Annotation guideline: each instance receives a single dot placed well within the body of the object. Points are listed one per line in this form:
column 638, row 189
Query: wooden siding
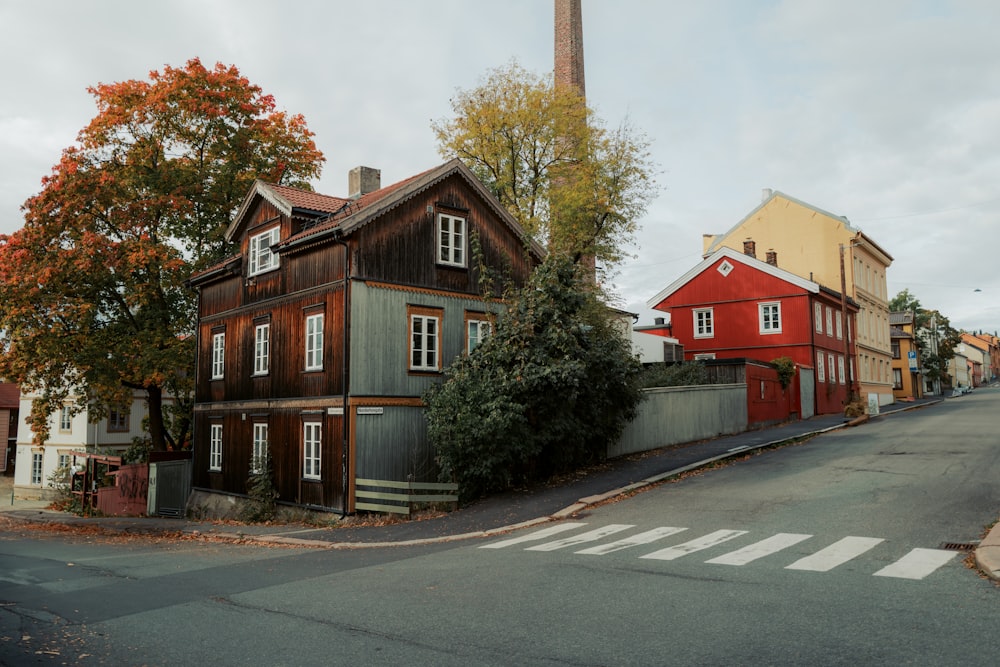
column 404, row 252
column 393, row 446
column 285, row 433
column 380, row 363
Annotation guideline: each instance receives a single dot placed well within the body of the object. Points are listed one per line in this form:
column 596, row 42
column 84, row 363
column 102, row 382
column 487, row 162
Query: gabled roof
column 717, row 241
column 358, row 213
column 342, row 216
column 740, row 258
column 900, row 317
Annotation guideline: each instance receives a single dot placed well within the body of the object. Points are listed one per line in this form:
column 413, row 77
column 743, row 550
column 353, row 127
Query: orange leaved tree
column 92, row 296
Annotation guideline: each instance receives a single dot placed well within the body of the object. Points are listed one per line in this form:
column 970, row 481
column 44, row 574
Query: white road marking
column 710, row 540
column 766, row 547
column 634, row 541
column 536, row 535
column 589, row 536
column 917, row 564
column 836, row 554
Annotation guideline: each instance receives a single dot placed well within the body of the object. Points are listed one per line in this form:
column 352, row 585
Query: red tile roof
column 312, row 201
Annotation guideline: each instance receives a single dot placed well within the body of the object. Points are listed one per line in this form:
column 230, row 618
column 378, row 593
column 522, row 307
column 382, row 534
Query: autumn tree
column 572, row 183
column 92, row 289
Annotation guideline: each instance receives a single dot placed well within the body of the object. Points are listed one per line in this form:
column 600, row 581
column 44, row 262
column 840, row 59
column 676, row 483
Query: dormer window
column 261, row 257
column 451, row 240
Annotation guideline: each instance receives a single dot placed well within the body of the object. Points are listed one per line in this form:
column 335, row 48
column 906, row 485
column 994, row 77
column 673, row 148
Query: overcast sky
column 883, row 111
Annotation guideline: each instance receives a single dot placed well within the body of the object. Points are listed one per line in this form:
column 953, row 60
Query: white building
column 36, row 464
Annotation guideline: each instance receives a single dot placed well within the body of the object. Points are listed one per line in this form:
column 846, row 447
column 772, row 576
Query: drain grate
column 959, row 546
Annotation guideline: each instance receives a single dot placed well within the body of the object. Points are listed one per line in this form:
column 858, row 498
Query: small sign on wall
column 335, row 411
column 370, row 410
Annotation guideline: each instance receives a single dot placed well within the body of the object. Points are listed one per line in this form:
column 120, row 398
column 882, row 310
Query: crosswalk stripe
column 917, row 564
column 589, row 536
column 634, row 541
column 836, row 554
column 536, row 535
column 766, row 547
column 710, row 540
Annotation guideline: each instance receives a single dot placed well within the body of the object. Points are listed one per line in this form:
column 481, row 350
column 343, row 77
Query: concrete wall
column 672, row 415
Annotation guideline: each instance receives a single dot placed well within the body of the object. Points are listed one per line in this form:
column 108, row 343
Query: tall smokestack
column 569, row 45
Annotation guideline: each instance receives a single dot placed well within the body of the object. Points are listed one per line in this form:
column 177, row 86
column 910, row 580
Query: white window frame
column 703, row 320
column 840, row 326
column 818, row 316
column 36, row 468
column 702, row 356
column 829, row 321
column 118, row 420
column 769, row 317
column 840, row 368
column 314, row 341
column 820, row 367
column 262, row 349
column 451, row 240
column 218, row 355
column 66, row 419
column 259, row 450
column 482, row 328
column 215, row 447
column 425, row 342
column 832, row 367
column 312, row 442
column 261, row 259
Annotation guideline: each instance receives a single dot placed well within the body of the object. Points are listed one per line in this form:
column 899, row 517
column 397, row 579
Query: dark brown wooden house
column 317, row 340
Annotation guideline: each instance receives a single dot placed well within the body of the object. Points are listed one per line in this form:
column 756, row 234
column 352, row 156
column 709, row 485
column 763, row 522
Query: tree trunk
column 154, row 403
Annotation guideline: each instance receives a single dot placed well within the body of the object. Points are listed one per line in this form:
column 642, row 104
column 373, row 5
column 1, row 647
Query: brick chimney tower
column 569, row 45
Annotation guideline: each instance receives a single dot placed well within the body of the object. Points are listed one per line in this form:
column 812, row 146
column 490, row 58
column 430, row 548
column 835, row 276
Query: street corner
column 988, row 554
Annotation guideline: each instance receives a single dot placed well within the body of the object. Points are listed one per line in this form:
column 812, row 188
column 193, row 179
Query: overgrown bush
column 545, row 393
column 786, row 370
column 680, row 374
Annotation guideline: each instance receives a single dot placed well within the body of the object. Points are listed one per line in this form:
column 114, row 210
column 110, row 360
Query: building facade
column 317, row 341
column 825, row 248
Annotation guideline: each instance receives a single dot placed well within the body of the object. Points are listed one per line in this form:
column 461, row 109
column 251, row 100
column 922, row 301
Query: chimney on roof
column 750, row 248
column 362, row 180
column 772, row 257
column 765, row 194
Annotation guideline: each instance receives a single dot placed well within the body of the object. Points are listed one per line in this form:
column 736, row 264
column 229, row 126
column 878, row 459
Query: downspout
column 345, row 364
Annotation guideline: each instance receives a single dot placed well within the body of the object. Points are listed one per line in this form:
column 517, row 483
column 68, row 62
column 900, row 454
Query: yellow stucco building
column 815, row 244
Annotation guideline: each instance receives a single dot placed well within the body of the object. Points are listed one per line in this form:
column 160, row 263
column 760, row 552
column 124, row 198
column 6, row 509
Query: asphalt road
column 839, row 551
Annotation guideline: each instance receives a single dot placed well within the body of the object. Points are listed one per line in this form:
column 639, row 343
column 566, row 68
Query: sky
column 886, row 112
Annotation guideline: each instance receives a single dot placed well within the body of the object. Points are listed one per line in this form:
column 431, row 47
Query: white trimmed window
column 424, row 340
column 314, row 342
column 831, row 367
column 259, row 448
column 261, row 258
column 770, row 317
column 262, row 349
column 451, row 240
column 36, row 467
column 820, row 368
column 704, row 325
column 215, row 447
column 840, row 326
column 476, row 333
column 218, row 355
column 829, row 321
column 311, row 440
column 66, row 419
column 840, row 369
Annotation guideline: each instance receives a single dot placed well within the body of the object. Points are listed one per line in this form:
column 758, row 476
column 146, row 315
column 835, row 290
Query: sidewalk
column 499, row 513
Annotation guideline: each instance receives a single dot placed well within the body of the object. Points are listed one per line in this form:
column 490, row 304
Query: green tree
column 92, row 288
column 934, row 326
column 545, row 393
column 565, row 177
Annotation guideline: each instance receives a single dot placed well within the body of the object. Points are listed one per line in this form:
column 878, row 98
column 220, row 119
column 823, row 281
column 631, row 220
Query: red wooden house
column 317, row 341
column 732, row 305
